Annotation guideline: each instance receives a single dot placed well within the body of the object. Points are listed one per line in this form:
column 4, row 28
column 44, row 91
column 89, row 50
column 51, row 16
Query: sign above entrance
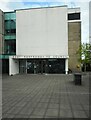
column 35, row 56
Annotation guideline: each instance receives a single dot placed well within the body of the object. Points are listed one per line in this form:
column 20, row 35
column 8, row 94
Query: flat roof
column 10, row 12
column 75, row 8
column 69, row 9
column 41, row 7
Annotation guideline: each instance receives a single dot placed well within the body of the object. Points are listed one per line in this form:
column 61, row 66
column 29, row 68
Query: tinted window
column 10, row 26
column 74, row 16
column 9, row 16
column 10, row 47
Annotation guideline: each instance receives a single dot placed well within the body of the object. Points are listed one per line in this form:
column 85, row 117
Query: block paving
column 44, row 96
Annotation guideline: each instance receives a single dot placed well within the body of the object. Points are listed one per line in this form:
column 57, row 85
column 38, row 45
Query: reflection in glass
column 10, row 27
column 10, row 15
column 10, row 47
column 56, row 65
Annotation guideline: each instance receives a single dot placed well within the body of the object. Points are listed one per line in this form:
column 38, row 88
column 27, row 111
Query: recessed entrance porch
column 34, row 65
column 40, row 66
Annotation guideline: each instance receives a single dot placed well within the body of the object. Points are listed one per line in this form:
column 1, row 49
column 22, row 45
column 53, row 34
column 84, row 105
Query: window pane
column 7, row 24
column 10, row 47
column 56, row 65
column 10, row 15
column 74, row 16
column 9, row 37
column 13, row 24
column 10, row 26
column 7, row 16
column 13, row 16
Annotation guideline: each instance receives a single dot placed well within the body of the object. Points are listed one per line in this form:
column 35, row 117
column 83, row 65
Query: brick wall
column 74, row 41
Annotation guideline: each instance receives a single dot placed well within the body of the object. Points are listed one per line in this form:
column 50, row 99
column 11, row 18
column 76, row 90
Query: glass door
column 38, row 66
column 45, row 66
column 30, row 66
column 41, row 66
column 22, row 66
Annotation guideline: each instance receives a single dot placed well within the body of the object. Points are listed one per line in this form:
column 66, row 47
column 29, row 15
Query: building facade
column 43, row 50
column 40, row 40
column 1, row 32
column 8, row 39
column 74, row 38
column 1, row 38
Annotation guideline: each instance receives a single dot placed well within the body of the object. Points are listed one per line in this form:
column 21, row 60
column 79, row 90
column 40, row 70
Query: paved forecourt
column 44, row 96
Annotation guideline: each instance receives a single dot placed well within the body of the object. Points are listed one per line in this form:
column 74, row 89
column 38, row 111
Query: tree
column 85, row 54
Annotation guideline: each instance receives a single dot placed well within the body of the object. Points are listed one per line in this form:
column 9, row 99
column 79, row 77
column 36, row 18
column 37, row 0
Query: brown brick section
column 74, row 41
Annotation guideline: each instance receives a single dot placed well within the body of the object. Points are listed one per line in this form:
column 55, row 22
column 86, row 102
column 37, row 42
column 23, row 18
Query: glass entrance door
column 30, row 66
column 22, row 66
column 38, row 66
column 45, row 66
column 41, row 66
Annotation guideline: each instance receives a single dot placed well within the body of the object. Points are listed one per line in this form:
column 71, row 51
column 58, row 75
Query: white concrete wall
column 42, row 31
column 74, row 10
column 13, row 66
column 66, row 66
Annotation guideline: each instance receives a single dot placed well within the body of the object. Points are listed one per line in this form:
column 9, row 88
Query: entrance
column 5, row 66
column 36, row 66
column 30, row 66
column 22, row 66
column 42, row 66
column 56, row 66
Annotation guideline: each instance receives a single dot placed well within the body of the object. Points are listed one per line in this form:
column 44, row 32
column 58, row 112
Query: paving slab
column 44, row 96
column 64, row 113
column 52, row 113
column 53, row 105
column 39, row 111
column 79, row 114
column 42, row 105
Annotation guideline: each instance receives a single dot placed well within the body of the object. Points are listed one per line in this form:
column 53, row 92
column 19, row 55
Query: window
column 10, row 27
column 10, row 15
column 10, row 47
column 74, row 16
column 56, row 65
column 10, row 23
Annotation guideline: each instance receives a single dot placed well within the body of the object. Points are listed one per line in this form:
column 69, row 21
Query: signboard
column 55, row 56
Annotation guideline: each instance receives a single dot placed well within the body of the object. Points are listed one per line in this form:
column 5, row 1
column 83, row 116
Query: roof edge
column 41, row 7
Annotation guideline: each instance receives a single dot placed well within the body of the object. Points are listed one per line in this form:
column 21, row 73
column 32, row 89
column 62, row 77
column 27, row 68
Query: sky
column 10, row 5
